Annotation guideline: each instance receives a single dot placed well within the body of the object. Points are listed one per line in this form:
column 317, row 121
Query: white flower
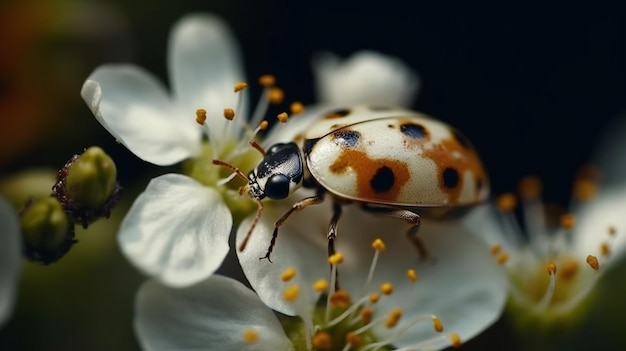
column 10, row 258
column 366, row 77
column 462, row 288
column 178, row 228
column 437, row 304
column 555, row 261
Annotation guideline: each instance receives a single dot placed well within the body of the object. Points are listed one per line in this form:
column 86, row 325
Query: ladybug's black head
column 278, row 174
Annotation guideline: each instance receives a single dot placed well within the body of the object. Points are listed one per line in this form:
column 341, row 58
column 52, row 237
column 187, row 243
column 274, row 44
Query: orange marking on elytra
column 365, row 169
column 449, row 153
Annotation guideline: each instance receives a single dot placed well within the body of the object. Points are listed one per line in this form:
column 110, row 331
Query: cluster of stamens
column 544, row 241
column 271, row 95
column 337, row 322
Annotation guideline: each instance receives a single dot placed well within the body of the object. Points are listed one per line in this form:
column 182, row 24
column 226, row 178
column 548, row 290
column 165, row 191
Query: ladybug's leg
column 332, row 228
column 411, row 217
column 298, row 206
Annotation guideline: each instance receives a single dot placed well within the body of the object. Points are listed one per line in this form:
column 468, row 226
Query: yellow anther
column 229, row 114
column 296, row 107
column 283, row 117
column 322, row 341
column 320, row 285
column 340, row 298
column 502, row 258
column 585, row 189
column 496, row 249
column 386, row 288
column 336, row 258
column 288, row 274
column 530, row 187
column 437, row 325
column 551, row 268
column 200, row 116
column 250, row 336
column 353, row 339
column 263, row 125
column 291, row 293
column 366, row 315
column 374, row 298
column 275, row 95
column 240, row 86
column 605, row 249
column 267, row 80
column 592, row 261
column 412, row 275
column 567, row 221
column 506, row 202
column 568, row 269
column 378, row 245
column 455, row 339
column 393, row 318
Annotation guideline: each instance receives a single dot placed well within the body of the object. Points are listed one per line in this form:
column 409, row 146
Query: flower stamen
column 282, row 117
column 250, row 336
column 296, row 107
column 200, row 116
column 547, row 296
column 592, row 261
column 288, row 274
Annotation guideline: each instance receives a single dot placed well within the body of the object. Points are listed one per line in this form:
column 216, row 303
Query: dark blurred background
column 533, row 86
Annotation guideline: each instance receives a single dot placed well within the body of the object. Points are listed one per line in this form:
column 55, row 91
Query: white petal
column 594, row 220
column 135, row 108
column 212, row 315
column 301, row 244
column 367, row 77
column 177, row 230
column 204, row 65
column 464, row 286
column 10, row 254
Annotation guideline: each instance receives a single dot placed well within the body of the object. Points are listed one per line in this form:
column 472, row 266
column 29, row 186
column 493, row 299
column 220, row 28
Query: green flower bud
column 47, row 232
column 87, row 186
column 91, row 179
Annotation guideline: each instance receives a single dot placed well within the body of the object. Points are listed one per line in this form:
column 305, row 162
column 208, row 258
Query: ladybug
column 392, row 162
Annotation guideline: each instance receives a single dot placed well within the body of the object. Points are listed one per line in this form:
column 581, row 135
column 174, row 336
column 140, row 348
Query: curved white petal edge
column 212, row 315
column 366, row 77
column 136, row 109
column 176, row 231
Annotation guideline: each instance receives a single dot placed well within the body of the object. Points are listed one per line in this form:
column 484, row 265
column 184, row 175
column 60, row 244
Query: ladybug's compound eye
column 277, row 187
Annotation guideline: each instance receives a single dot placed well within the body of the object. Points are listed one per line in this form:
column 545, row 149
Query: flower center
column 548, row 277
column 338, row 321
column 232, row 141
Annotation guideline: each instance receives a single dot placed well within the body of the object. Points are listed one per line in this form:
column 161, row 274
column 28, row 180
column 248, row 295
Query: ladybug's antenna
column 233, row 168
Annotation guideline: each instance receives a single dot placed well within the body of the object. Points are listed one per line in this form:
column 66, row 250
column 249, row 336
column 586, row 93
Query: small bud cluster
column 86, row 190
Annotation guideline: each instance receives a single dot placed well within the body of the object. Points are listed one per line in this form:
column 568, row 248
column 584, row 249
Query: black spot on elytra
column 412, row 130
column 450, row 178
column 383, row 180
column 462, row 139
column 346, row 138
column 342, row 112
